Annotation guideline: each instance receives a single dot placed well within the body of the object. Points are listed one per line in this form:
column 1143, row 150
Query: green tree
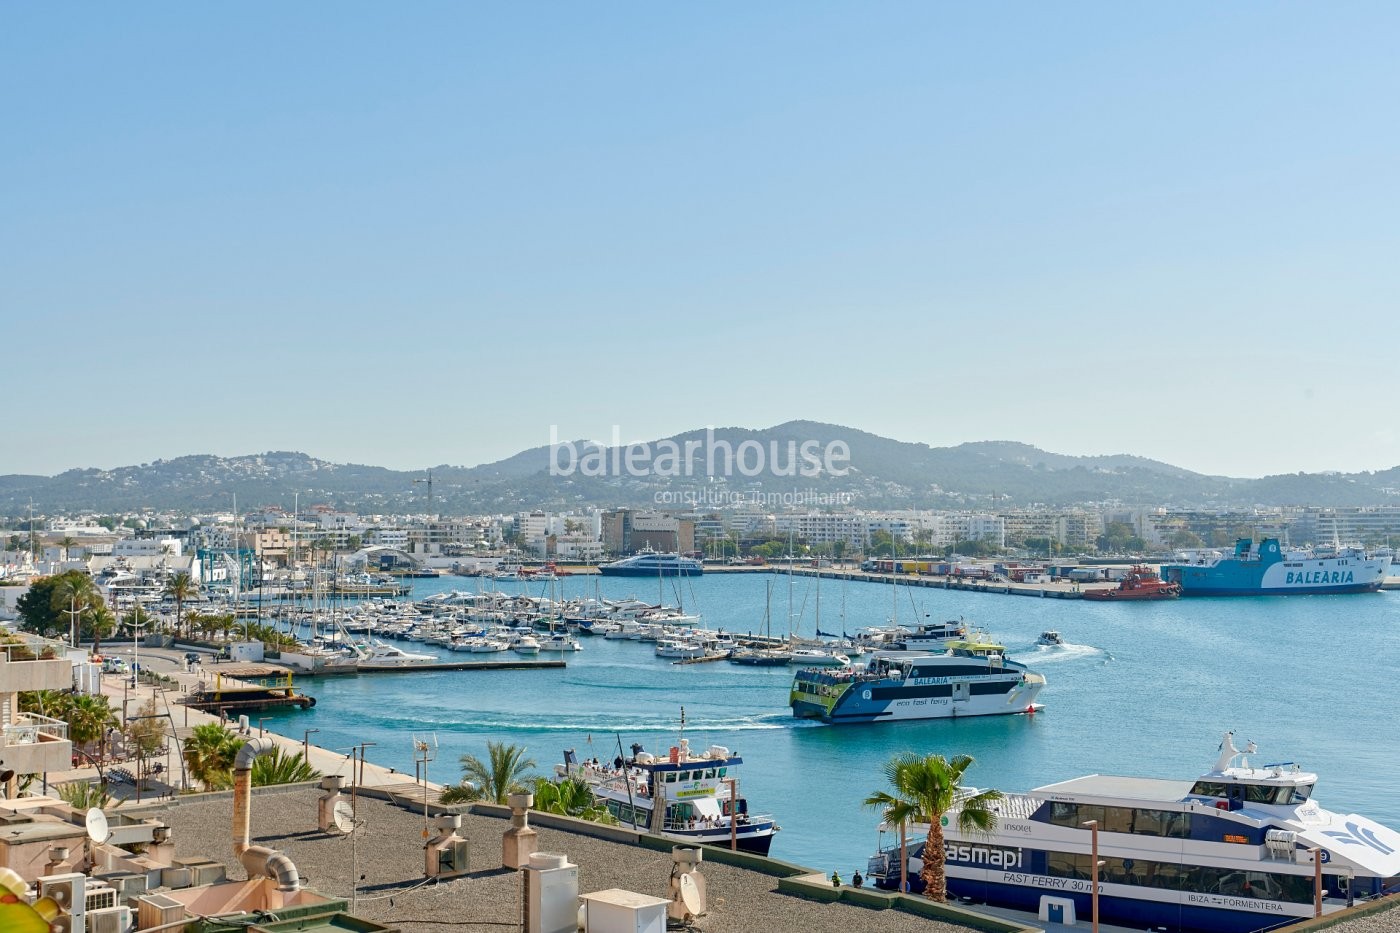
column 145, row 735
column 98, row 623
column 136, row 619
column 926, row 788
column 502, row 773
column 881, row 544
column 89, row 716
column 67, row 543
column 1184, row 538
column 210, row 751
column 72, row 594
column 279, row 767
column 571, row 797
column 180, row 587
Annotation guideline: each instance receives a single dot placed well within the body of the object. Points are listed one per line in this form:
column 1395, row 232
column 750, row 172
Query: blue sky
column 421, row 234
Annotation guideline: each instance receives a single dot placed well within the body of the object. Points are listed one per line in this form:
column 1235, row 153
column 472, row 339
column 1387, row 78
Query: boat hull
column 1128, row 911
column 1268, row 573
column 653, row 573
column 861, row 704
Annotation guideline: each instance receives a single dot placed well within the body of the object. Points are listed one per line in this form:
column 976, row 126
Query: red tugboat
column 1142, row 582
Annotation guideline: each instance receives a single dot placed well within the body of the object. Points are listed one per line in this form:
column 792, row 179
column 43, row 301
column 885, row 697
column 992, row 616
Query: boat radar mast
column 1228, row 753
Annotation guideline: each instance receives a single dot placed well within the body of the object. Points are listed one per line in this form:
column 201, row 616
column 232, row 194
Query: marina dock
column 459, row 666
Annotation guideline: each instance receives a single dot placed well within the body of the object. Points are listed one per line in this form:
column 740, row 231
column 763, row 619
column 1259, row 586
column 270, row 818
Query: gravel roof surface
column 390, row 859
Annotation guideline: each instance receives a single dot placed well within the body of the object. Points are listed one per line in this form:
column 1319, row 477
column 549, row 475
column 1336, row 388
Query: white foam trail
column 1057, row 654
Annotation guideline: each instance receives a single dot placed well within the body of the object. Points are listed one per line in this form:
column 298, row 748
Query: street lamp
column 306, row 744
column 1094, row 857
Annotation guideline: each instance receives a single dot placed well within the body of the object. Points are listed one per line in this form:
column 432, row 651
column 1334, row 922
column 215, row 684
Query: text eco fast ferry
column 970, row 678
column 1270, row 571
column 1231, row 852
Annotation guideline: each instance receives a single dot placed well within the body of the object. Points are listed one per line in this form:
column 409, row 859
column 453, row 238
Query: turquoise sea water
column 1144, row 689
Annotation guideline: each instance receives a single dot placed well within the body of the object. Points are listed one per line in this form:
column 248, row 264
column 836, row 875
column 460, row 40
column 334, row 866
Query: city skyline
column 416, row 238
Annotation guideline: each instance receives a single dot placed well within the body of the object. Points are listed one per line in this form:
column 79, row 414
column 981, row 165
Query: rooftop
column 1127, row 788
column 389, row 858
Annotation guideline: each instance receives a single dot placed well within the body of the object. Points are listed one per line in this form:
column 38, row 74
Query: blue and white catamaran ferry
column 1231, row 852
column 971, row 678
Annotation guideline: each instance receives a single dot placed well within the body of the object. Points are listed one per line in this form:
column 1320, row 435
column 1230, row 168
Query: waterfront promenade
column 128, row 700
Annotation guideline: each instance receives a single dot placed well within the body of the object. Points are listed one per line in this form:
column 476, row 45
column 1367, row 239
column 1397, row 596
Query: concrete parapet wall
column 1371, row 909
column 818, row 887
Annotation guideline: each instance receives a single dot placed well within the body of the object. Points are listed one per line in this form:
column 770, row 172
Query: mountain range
column 883, row 473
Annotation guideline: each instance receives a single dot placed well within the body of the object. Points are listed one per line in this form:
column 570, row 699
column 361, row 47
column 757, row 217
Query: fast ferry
column 653, row 565
column 1269, row 571
column 683, row 796
column 1231, row 852
column 971, row 678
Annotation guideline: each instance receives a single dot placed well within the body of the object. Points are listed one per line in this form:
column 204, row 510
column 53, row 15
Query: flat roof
column 390, row 857
column 1156, row 790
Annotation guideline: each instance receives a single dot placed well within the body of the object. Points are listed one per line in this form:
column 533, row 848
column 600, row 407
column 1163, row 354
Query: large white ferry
column 684, row 796
column 1231, row 852
column 1269, row 570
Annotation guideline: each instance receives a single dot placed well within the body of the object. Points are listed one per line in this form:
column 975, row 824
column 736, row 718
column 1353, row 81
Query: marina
column 1162, row 677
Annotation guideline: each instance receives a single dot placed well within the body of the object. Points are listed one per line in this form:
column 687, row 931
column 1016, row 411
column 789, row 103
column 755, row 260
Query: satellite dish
column 97, row 828
column 691, row 897
column 344, row 816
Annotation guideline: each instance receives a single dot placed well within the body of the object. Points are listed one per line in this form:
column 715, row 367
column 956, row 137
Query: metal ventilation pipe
column 257, row 860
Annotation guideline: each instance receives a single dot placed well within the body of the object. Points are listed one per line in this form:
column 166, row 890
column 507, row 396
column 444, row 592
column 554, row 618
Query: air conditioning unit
column 175, row 877
column 128, row 885
column 202, row 873
column 110, row 920
column 99, row 896
column 68, row 891
column 617, row 911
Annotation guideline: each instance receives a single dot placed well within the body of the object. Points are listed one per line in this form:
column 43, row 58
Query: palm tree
column 84, row 795
column 279, row 767
column 101, row 622
column 925, row 789
column 67, row 542
column 180, row 587
column 502, row 774
column 570, row 797
column 74, row 595
column 89, row 716
column 209, row 754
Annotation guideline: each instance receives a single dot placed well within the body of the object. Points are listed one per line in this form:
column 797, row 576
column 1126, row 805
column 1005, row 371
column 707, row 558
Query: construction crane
column 429, row 481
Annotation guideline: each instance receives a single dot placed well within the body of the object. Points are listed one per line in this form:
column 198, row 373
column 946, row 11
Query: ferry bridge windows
column 1122, row 819
column 1209, row 789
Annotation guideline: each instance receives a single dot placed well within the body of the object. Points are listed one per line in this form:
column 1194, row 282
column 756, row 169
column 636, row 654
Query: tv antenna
column 424, row 751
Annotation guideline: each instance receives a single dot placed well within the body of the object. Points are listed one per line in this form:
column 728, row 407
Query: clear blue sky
column 411, row 234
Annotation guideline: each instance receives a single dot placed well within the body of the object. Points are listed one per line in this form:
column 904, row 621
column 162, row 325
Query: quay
column 1065, row 590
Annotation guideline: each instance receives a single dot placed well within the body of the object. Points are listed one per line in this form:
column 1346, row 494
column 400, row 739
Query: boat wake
column 729, row 685
column 601, row 724
column 1057, row 654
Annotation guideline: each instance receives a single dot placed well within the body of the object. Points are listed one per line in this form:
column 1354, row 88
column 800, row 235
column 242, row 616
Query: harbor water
column 1138, row 688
